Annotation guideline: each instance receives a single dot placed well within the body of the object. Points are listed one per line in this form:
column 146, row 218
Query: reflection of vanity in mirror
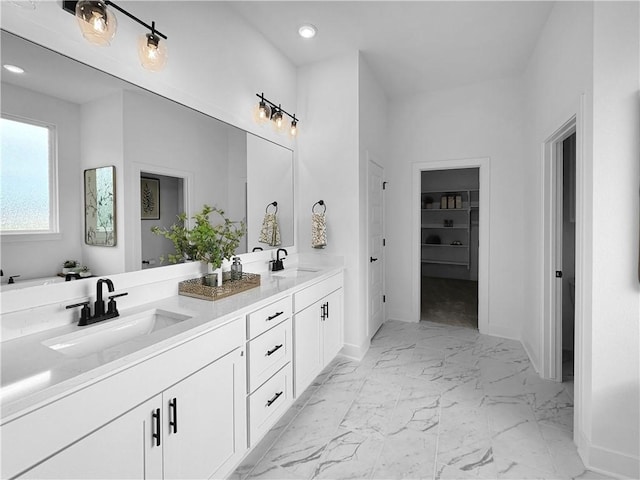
column 99, row 121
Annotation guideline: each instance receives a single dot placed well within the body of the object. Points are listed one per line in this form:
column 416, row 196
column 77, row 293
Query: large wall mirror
column 160, row 150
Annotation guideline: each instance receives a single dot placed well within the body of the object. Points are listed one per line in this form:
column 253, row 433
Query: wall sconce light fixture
column 268, row 110
column 98, row 25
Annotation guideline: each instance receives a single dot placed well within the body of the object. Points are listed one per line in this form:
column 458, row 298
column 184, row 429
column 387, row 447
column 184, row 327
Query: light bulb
column 278, row 119
column 294, row 128
column 97, row 23
column 152, row 52
column 264, row 111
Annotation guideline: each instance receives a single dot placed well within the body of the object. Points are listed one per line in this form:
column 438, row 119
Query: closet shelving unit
column 433, row 223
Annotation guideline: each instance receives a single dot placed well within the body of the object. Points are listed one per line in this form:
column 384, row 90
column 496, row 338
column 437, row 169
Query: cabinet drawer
column 268, row 353
column 312, row 294
column 267, row 317
column 268, row 403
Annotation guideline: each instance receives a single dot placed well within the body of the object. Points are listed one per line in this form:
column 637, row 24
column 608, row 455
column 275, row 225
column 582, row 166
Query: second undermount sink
column 294, row 272
column 96, row 338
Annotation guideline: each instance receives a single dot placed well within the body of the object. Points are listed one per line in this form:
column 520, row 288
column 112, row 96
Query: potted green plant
column 206, row 241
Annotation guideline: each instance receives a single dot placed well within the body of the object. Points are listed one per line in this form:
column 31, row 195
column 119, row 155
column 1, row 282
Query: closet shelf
column 455, row 227
column 446, row 262
column 439, row 245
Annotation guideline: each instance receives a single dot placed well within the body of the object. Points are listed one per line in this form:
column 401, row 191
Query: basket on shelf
column 197, row 288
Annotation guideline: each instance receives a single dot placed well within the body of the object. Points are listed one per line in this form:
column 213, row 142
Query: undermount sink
column 294, row 272
column 95, row 338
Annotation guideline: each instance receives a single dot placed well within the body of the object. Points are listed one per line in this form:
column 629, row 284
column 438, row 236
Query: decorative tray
column 198, row 289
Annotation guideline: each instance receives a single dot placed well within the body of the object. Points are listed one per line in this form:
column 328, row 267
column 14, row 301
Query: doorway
column 162, row 200
column 449, row 213
column 560, row 166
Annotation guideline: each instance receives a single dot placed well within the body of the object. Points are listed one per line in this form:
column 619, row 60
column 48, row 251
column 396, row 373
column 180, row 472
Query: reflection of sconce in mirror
column 100, row 206
column 98, row 25
column 268, row 110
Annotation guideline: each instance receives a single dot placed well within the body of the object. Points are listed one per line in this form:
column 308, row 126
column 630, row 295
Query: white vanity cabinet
column 318, row 329
column 120, row 449
column 194, row 427
column 269, row 370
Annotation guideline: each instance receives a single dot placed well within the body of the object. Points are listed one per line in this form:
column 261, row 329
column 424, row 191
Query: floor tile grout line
column 285, row 427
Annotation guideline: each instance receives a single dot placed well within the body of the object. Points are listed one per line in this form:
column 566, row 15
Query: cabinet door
column 205, row 420
column 124, row 448
column 307, row 346
column 332, row 326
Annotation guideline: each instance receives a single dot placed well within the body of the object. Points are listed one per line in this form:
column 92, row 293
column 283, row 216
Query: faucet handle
column 85, row 313
column 111, row 306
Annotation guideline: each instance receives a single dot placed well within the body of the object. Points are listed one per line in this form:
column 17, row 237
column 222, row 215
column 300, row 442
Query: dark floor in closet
column 450, row 301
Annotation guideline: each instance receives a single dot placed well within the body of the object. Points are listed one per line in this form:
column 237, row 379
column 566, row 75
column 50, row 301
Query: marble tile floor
column 428, row 401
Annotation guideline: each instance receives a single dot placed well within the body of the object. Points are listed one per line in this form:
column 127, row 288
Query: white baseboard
column 532, row 358
column 355, row 352
column 614, row 464
column 403, row 319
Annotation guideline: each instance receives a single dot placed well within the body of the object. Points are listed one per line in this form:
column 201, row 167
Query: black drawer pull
column 173, row 414
column 275, row 397
column 277, row 314
column 275, row 349
column 157, row 434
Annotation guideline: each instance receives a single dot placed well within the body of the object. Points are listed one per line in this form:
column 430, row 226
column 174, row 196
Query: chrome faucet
column 99, row 313
column 277, row 265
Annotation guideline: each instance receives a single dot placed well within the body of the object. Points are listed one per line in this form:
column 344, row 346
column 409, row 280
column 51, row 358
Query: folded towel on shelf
column 318, row 230
column 270, row 232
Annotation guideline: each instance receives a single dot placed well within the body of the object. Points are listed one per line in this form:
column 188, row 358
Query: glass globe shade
column 97, row 24
column 152, row 52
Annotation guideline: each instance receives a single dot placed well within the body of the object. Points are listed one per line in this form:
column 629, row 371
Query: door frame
column 484, row 166
column 552, row 249
column 134, row 261
column 371, row 161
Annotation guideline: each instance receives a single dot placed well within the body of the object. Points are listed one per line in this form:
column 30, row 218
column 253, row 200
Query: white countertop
column 34, row 375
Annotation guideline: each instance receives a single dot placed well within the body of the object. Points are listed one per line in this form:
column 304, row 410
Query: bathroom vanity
column 186, row 397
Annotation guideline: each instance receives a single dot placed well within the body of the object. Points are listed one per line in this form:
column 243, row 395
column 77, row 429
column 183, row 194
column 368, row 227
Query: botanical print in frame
column 149, row 198
column 100, row 206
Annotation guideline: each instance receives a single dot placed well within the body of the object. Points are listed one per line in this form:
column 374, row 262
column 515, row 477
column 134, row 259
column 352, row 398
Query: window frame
column 53, row 233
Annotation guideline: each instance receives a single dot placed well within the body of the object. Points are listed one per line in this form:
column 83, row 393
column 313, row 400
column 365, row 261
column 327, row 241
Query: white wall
column 592, row 50
column 481, row 120
column 102, row 146
column 44, row 258
column 565, row 48
column 615, row 394
column 328, row 169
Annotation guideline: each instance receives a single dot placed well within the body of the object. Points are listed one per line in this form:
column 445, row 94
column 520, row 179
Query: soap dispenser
column 236, row 269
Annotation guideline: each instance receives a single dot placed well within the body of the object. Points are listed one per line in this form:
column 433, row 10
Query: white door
column 375, row 229
column 332, row 326
column 307, row 352
column 200, row 416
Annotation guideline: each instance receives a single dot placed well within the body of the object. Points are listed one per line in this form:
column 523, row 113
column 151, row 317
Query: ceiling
column 411, row 46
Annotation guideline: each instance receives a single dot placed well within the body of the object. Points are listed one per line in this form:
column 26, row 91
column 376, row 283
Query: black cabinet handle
column 326, row 310
column 173, row 414
column 274, row 350
column 277, row 314
column 275, row 397
column 322, row 316
column 371, row 259
column 157, row 434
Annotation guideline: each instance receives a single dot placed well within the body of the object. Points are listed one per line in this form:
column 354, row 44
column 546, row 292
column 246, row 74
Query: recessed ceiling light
column 307, row 31
column 13, row 68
